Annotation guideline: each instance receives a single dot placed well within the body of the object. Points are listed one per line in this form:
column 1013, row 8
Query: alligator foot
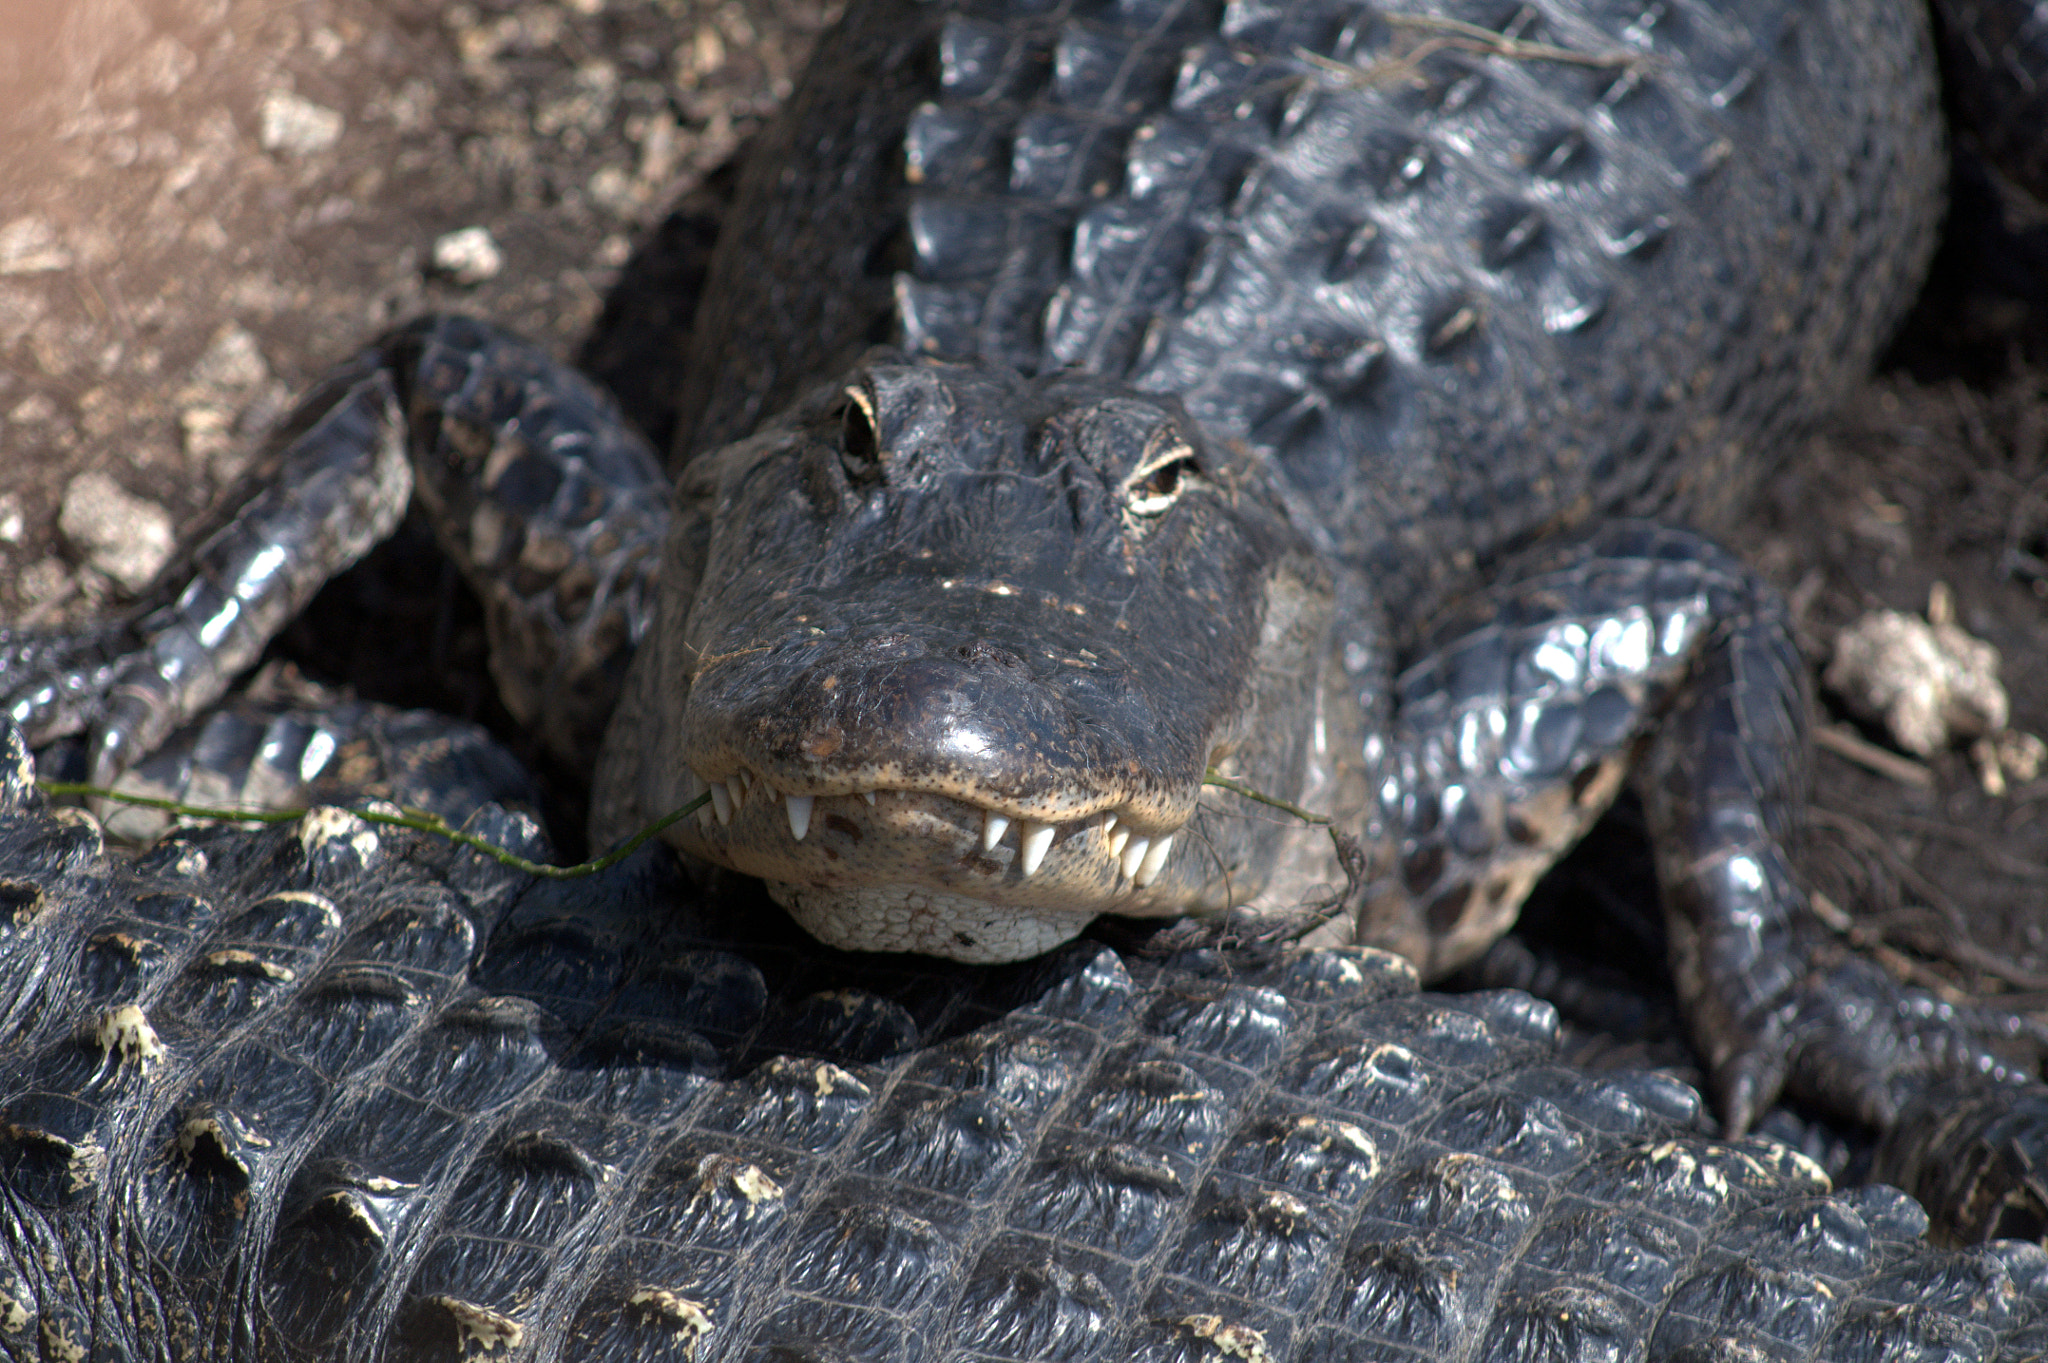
column 284, row 742
column 1513, row 731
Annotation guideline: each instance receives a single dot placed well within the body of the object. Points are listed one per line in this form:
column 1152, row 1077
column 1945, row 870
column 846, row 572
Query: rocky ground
column 205, row 202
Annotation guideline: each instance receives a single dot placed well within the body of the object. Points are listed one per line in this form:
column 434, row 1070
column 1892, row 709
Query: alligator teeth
column 1114, row 836
column 869, row 796
column 742, row 786
column 1134, row 852
column 1032, row 841
column 721, row 801
column 1155, row 858
column 800, row 815
column 993, row 827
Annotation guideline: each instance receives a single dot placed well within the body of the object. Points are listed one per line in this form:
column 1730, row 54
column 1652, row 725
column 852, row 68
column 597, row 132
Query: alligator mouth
column 881, row 869
column 1138, row 856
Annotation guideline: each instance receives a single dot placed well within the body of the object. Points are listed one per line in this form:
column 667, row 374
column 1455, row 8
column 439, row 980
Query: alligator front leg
column 331, row 483
column 1645, row 648
column 551, row 505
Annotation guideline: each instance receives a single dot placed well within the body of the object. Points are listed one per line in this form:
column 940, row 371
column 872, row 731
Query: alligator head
column 951, row 650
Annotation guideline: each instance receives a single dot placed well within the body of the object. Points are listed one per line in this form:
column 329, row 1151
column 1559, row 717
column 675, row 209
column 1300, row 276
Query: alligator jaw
column 897, row 870
column 1138, row 856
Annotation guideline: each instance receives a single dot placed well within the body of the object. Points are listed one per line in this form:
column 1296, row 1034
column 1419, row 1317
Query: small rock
column 44, row 585
column 30, row 246
column 124, row 536
column 2021, row 755
column 2010, row 754
column 33, row 410
column 207, row 432
column 468, row 257
column 233, row 362
column 12, row 522
column 614, row 189
column 296, row 126
column 1930, row 684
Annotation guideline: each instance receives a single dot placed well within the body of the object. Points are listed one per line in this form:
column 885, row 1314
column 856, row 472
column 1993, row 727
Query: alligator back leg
column 551, row 505
column 1651, row 647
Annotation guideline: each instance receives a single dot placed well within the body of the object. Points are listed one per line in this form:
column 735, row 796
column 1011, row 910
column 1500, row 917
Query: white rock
column 1930, row 685
column 296, row 126
column 128, row 538
column 30, row 246
column 468, row 256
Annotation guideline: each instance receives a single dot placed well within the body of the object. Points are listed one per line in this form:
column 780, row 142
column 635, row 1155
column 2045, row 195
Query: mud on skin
column 1325, row 462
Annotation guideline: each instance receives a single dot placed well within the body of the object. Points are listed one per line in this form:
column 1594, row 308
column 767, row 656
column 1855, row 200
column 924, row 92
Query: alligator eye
column 860, row 444
column 1160, row 477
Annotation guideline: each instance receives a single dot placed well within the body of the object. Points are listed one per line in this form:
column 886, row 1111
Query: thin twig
column 1500, row 44
column 1452, row 35
column 1212, row 777
column 1864, row 753
column 419, row 820
column 1959, row 946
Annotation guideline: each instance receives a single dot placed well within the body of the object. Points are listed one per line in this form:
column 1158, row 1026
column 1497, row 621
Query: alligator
column 1307, row 401
column 338, row 1090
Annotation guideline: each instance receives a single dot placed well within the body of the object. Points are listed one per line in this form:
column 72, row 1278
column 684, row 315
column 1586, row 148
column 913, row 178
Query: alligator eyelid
column 1157, row 481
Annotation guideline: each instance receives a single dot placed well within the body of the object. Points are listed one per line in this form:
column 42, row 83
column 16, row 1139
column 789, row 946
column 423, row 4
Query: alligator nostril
column 982, row 653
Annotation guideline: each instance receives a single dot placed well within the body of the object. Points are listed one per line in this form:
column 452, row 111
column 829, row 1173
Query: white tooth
column 721, row 800
column 1148, row 870
column 1134, row 852
column 992, row 829
column 1117, row 838
column 800, row 815
column 1032, row 841
column 742, row 786
column 869, row 796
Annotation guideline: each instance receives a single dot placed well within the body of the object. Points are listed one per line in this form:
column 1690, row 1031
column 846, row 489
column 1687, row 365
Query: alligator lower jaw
column 928, row 922
column 897, row 870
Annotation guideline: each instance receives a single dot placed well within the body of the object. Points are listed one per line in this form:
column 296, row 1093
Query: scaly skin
column 331, row 1091
column 1255, row 407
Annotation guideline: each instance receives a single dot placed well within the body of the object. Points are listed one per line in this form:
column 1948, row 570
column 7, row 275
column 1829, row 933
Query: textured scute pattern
column 1416, row 273
column 331, row 1090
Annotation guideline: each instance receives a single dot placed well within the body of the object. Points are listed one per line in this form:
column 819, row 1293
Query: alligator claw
column 1745, row 1087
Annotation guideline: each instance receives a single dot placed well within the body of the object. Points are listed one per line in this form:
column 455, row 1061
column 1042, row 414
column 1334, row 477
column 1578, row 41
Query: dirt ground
column 205, row 202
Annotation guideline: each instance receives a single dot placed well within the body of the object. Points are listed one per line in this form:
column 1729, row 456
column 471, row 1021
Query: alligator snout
column 921, row 771
column 1054, row 738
